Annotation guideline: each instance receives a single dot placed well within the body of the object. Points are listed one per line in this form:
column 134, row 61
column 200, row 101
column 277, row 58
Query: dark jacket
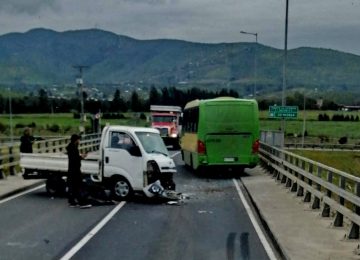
column 26, row 144
column 74, row 169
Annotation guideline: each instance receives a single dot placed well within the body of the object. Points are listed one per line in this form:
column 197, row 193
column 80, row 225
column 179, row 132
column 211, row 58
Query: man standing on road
column 74, row 178
column 27, row 141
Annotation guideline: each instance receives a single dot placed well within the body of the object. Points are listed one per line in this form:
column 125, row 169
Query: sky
column 333, row 24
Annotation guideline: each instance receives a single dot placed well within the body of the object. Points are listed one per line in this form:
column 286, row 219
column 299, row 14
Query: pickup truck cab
column 129, row 159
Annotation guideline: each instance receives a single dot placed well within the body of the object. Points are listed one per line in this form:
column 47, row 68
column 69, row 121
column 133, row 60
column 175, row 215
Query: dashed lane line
column 92, row 232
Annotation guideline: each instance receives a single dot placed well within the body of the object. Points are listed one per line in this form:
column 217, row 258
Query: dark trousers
column 76, row 190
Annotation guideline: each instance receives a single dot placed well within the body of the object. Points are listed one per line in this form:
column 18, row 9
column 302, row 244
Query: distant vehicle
column 129, row 159
column 167, row 119
column 221, row 132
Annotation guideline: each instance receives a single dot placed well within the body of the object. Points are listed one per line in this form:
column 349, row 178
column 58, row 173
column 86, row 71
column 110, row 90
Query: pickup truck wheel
column 55, row 186
column 121, row 189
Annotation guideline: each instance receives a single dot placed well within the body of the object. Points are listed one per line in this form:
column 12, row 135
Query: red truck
column 167, row 119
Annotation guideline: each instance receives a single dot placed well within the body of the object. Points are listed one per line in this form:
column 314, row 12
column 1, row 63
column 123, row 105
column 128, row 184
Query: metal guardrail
column 326, row 188
column 10, row 153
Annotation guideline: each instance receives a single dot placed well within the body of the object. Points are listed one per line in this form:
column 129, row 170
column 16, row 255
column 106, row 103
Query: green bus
column 221, row 132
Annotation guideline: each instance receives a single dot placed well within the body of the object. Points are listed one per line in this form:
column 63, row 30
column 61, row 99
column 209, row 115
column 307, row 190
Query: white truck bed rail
column 58, row 162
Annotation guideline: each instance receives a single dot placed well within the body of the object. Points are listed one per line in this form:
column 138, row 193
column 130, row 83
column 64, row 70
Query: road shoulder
column 300, row 232
column 15, row 184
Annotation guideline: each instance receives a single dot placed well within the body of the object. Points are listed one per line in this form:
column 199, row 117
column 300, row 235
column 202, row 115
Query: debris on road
column 205, row 211
column 156, row 190
column 173, row 202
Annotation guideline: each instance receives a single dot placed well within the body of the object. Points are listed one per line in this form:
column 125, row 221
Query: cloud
column 320, row 23
column 30, row 7
column 150, row 2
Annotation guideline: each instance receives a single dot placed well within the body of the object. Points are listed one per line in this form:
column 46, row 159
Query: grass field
column 345, row 161
column 315, row 128
column 67, row 124
column 44, row 123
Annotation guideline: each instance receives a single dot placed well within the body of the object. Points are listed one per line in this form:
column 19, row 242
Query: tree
column 117, row 104
column 154, row 96
column 233, row 93
column 223, row 93
column 2, row 104
column 165, row 96
column 43, row 104
column 135, row 103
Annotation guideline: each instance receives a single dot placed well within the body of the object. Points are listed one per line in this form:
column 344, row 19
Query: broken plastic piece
column 153, row 189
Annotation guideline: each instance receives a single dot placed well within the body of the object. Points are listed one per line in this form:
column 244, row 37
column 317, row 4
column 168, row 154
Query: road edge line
column 173, row 155
column 259, row 232
column 92, row 232
column 20, row 192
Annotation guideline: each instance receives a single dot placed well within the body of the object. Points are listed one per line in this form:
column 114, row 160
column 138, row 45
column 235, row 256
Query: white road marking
column 21, row 194
column 173, row 155
column 92, row 232
column 256, row 225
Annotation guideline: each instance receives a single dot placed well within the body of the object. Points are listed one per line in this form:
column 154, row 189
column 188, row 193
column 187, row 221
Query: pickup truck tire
column 55, row 186
column 121, row 189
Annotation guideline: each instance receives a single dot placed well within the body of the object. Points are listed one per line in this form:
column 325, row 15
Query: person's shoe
column 85, row 206
column 73, row 205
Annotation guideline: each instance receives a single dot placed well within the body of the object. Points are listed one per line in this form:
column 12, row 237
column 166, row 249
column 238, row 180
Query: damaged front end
column 163, row 174
column 158, row 181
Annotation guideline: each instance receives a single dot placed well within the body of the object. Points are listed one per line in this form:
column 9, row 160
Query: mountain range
column 46, row 57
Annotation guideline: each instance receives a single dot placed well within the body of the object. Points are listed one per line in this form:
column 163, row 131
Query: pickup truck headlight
column 152, row 167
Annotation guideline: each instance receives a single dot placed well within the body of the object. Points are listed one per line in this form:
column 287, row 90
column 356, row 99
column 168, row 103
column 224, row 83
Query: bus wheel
column 121, row 189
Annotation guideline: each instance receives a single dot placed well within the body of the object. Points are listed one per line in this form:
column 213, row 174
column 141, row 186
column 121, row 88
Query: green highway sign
column 283, row 111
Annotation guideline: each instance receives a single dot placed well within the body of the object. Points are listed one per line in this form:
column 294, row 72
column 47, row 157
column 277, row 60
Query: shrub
column 54, row 128
column 323, row 117
column 343, row 140
column 142, row 116
column 2, row 127
column 113, row 116
column 323, row 138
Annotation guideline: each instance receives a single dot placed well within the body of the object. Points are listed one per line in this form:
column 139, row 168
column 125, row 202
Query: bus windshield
column 152, row 143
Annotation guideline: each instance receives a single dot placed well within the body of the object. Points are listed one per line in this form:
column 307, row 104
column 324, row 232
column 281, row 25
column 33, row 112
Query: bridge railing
column 334, row 192
column 10, row 153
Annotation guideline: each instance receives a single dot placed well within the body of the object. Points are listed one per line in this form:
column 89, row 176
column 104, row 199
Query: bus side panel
column 189, row 148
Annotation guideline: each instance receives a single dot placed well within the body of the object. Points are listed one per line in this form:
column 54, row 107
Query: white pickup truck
column 128, row 160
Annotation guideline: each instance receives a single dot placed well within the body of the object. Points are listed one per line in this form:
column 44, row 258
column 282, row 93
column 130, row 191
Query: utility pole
column 283, row 96
column 255, row 59
column 11, row 119
column 79, row 82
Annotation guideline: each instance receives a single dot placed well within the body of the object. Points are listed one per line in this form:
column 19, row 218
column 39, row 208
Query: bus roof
column 197, row 102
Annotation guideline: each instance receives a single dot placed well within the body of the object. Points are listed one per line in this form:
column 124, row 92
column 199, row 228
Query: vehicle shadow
column 216, row 173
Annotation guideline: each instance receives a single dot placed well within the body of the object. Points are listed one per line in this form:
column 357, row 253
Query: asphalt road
column 212, row 224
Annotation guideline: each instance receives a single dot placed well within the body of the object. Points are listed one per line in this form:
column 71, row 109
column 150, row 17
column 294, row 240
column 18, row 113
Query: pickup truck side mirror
column 135, row 151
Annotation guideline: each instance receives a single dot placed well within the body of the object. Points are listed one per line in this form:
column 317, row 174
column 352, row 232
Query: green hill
column 45, row 57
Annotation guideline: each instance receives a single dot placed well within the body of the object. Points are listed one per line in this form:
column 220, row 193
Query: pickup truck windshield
column 152, row 143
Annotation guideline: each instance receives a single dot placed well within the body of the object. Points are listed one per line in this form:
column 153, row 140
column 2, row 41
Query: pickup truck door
column 119, row 161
